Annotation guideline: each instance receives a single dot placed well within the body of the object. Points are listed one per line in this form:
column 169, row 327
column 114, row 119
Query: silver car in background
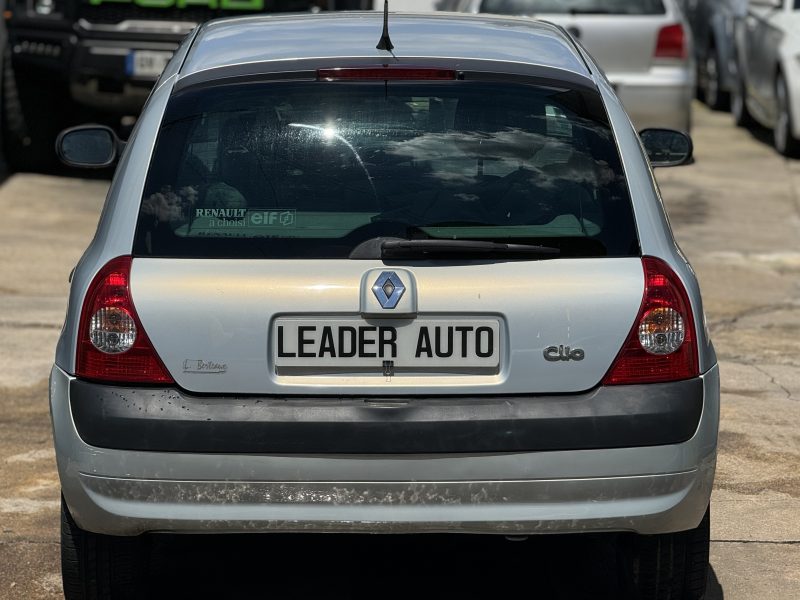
column 338, row 288
column 643, row 46
column 712, row 23
column 767, row 89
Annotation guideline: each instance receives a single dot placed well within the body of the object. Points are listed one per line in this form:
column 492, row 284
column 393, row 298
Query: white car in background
column 644, row 47
column 767, row 89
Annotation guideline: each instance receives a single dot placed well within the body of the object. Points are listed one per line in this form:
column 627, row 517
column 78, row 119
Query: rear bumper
column 650, row 489
column 662, row 97
column 169, row 420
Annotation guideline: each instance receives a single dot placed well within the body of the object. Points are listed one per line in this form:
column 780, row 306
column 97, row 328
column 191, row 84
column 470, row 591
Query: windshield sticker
column 223, row 218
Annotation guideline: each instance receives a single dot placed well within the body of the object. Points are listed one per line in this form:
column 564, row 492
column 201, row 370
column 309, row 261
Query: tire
column 711, row 83
column 741, row 116
column 784, row 139
column 34, row 110
column 95, row 567
column 672, row 566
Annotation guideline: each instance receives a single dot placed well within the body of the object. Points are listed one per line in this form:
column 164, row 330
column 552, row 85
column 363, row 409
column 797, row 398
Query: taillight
column 671, row 42
column 385, row 73
column 112, row 344
column 662, row 345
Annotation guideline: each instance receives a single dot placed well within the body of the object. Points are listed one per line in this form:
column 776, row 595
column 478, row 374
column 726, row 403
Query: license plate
column 147, row 63
column 356, row 343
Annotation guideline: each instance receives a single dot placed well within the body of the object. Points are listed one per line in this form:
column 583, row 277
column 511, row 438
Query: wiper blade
column 462, row 249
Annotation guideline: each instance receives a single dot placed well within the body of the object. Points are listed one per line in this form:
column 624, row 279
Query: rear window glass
column 313, row 169
column 611, row 7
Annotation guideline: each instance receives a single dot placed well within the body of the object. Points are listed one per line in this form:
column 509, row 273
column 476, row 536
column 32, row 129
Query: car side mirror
column 88, row 146
column 667, row 147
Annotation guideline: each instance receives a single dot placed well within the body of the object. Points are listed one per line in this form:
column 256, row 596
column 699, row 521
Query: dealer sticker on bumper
column 356, row 343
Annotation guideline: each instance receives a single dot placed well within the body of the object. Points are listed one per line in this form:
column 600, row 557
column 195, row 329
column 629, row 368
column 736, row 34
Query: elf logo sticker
column 281, row 218
column 253, row 5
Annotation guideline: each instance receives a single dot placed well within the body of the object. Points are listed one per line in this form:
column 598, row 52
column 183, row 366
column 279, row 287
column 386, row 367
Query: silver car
column 712, row 23
column 423, row 287
column 643, row 46
column 767, row 87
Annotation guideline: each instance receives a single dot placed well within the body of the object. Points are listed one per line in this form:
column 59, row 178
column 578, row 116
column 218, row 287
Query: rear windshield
column 611, row 7
column 314, row 169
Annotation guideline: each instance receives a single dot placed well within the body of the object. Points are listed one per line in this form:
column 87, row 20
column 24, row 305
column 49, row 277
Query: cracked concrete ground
column 734, row 212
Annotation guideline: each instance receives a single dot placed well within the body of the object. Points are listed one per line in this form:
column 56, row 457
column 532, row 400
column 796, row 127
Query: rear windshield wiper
column 428, row 248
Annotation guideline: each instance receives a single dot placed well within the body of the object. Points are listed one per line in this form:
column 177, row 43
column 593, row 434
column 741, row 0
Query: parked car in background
column 643, row 46
column 333, row 289
column 767, row 88
column 712, row 24
column 73, row 60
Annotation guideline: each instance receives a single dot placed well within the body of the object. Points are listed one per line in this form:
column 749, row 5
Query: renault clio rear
column 424, row 287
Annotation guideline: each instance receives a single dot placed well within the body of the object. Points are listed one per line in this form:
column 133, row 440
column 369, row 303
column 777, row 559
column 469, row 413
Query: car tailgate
column 215, row 324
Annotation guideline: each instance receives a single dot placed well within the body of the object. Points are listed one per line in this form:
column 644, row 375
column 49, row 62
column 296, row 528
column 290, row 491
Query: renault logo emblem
column 388, row 289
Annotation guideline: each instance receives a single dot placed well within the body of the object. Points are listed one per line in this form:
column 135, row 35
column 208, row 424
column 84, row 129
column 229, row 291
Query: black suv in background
column 70, row 61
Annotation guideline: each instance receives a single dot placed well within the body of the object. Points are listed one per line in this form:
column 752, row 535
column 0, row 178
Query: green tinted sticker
column 212, row 218
column 251, row 5
column 270, row 222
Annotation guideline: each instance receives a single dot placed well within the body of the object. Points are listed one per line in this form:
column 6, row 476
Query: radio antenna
column 385, row 42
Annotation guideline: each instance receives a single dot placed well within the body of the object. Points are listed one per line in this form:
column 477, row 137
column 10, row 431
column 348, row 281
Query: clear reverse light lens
column 662, row 331
column 112, row 330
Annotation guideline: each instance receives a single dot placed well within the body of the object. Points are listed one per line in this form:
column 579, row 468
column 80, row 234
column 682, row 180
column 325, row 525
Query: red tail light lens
column 385, row 73
column 671, row 42
column 112, row 344
column 662, row 345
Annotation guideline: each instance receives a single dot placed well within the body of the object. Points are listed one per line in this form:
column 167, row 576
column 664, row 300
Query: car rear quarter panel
column 115, row 230
column 655, row 233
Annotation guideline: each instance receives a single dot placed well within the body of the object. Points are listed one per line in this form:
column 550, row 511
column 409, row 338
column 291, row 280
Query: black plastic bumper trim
column 171, row 420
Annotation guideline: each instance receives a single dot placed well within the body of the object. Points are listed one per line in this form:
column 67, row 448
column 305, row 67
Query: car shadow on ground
column 762, row 135
column 337, row 566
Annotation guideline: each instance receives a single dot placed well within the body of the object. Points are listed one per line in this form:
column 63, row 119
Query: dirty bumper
column 623, row 503
column 645, row 489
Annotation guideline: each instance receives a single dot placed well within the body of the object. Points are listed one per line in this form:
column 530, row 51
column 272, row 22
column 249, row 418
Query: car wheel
column 741, row 116
column 711, row 82
column 97, row 566
column 672, row 565
column 785, row 142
